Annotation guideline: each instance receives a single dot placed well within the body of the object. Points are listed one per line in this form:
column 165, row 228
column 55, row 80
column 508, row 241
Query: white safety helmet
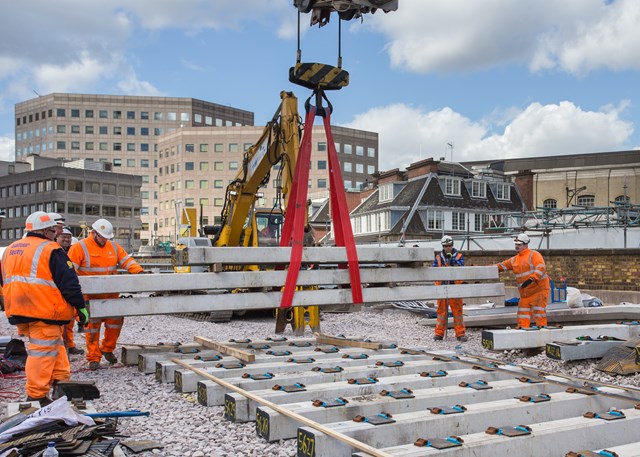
column 446, row 240
column 39, row 221
column 522, row 238
column 74, row 240
column 104, row 228
column 66, row 231
column 58, row 218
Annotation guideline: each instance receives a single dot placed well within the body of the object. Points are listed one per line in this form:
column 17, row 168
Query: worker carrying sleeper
column 533, row 282
column 98, row 254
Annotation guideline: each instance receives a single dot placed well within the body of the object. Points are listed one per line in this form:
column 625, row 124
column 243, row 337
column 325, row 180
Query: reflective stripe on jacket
column 89, row 258
column 29, row 289
column 456, row 260
column 528, row 264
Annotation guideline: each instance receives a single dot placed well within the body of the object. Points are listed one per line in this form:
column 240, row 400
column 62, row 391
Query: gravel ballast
column 188, row 429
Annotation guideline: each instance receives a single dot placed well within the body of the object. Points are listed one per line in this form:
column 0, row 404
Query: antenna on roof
column 450, row 144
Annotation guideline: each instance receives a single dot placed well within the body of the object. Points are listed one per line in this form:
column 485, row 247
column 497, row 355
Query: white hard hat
column 104, row 228
column 522, row 238
column 57, row 217
column 39, row 221
column 446, row 240
column 74, row 240
column 66, row 231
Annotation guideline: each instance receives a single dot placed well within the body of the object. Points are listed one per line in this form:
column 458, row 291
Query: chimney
column 422, row 168
column 524, row 183
column 384, row 177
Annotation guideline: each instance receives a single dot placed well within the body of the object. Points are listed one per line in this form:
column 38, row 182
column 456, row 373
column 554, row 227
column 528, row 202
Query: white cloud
column 131, row 85
column 7, row 148
column 408, row 134
column 577, row 36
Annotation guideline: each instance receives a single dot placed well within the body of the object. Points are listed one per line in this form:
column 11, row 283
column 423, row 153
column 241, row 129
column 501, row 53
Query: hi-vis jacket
column 39, row 282
column 456, row 260
column 89, row 258
column 528, row 264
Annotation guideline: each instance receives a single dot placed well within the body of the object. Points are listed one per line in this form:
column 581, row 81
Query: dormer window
column 479, row 189
column 452, row 186
column 503, row 192
column 385, row 192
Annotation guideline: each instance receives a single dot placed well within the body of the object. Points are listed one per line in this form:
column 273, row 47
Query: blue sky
column 496, row 78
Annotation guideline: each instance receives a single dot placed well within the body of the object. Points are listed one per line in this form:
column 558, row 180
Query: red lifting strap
column 293, row 230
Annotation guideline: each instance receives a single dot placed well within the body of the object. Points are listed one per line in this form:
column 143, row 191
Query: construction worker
column 449, row 257
column 64, row 240
column 41, row 290
column 533, row 283
column 98, row 254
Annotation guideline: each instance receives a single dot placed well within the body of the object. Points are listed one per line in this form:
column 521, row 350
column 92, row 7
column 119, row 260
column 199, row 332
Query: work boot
column 463, row 338
column 437, row 338
column 94, row 366
column 110, row 357
column 75, row 351
column 44, row 401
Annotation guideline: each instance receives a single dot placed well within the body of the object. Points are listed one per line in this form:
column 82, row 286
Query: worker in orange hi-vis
column 449, row 257
column 98, row 254
column 41, row 290
column 64, row 240
column 533, row 283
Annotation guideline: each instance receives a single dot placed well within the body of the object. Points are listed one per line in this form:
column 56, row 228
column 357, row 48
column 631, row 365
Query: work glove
column 83, row 315
column 448, row 255
column 527, row 283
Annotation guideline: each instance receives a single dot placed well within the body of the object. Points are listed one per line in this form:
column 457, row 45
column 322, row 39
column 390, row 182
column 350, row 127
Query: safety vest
column 89, row 258
column 528, row 264
column 29, row 288
column 442, row 262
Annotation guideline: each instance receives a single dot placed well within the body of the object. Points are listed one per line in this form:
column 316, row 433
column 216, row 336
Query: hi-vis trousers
column 534, row 309
column 112, row 328
column 47, row 358
column 456, row 309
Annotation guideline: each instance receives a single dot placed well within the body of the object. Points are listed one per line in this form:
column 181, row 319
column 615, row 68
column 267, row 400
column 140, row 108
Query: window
column 359, row 168
column 359, row 150
column 117, row 130
column 503, row 192
column 246, row 146
column 61, row 145
column 144, row 147
column 117, row 162
column 452, row 186
column 144, row 115
column 131, row 130
column 60, row 112
column 75, row 145
column 233, row 165
column 88, row 129
column 233, row 147
column 477, row 223
column 75, row 112
column 218, row 147
column 103, row 146
column 347, row 149
column 103, row 114
column 458, row 221
column 189, row 202
column 218, row 166
column 371, row 169
column 371, row 152
column 124, row 211
column 61, row 129
column 157, row 116
column 622, row 199
column 117, row 146
column 144, row 131
column 75, row 129
column 587, row 200
column 108, row 189
column 479, row 189
column 189, row 148
column 88, row 113
column 204, row 147
column 144, row 163
column 204, row 202
column 74, row 185
column 322, row 146
column 131, row 162
column 188, row 166
column 204, row 166
column 218, row 184
column 103, row 130
column 217, row 202
column 435, row 219
column 117, row 114
column 385, row 192
column 347, row 166
column 189, row 184
column 204, row 184
column 171, row 116
column 322, row 164
column 91, row 209
column 74, row 208
column 322, row 183
column 131, row 147
column 131, row 114
column 108, row 211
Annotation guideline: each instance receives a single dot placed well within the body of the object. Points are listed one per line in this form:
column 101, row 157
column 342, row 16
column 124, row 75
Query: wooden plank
column 327, row 339
column 261, row 255
column 139, row 306
column 245, row 356
column 309, row 423
column 252, row 279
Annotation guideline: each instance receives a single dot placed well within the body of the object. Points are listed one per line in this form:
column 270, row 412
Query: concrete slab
column 579, row 350
column 547, row 438
column 129, row 353
column 498, row 340
column 274, row 426
column 241, row 409
column 411, row 426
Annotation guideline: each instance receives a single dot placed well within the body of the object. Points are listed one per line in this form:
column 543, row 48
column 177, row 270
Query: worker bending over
column 98, row 254
column 41, row 290
column 449, row 257
column 533, row 283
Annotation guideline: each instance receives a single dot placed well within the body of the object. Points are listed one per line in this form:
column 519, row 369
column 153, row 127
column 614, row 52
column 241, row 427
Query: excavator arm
column 279, row 142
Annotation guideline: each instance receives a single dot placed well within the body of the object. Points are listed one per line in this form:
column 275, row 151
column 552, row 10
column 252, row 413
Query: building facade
column 80, row 191
column 195, row 165
column 126, row 130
